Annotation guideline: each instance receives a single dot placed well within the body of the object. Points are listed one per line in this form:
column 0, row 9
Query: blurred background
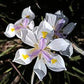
column 10, row 12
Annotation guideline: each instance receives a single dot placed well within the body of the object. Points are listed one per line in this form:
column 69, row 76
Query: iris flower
column 42, row 45
column 59, row 23
column 24, row 23
column 61, row 29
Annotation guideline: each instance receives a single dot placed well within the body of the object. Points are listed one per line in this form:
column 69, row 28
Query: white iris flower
column 26, row 22
column 42, row 43
column 58, row 21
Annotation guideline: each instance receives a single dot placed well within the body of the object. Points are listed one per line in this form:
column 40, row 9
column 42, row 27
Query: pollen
column 44, row 34
column 53, row 61
column 25, row 56
column 12, row 29
column 27, row 16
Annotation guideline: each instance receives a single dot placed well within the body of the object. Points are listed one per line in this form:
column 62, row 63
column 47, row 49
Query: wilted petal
column 40, row 69
column 59, row 25
column 45, row 27
column 60, row 35
column 60, row 15
column 69, row 28
column 58, row 44
column 10, row 30
column 56, row 64
column 27, row 12
column 22, row 56
column 28, row 37
column 69, row 51
column 51, row 19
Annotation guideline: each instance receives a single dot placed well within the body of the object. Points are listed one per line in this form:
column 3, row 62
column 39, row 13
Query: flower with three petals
column 58, row 21
column 26, row 22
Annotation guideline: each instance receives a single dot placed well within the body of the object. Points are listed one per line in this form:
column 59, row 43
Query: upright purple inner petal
column 42, row 43
column 46, row 55
column 59, row 25
column 25, row 22
column 60, row 35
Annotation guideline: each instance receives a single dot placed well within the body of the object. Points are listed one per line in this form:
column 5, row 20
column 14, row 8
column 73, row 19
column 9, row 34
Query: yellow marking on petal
column 12, row 29
column 25, row 56
column 27, row 16
column 53, row 61
column 44, row 34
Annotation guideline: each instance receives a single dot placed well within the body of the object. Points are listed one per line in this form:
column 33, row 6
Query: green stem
column 8, row 70
column 77, row 70
column 5, row 52
column 2, row 41
column 75, row 75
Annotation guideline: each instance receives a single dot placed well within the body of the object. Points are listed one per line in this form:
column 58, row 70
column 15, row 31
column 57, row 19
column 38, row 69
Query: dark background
column 10, row 11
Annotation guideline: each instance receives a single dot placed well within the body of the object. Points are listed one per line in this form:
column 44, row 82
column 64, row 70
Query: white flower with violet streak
column 24, row 23
column 58, row 22
column 27, row 12
column 41, row 50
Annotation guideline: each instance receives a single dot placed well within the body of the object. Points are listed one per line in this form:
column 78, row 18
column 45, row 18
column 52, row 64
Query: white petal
column 51, row 19
column 19, row 58
column 69, row 51
column 58, row 12
column 28, row 12
column 18, row 22
column 28, row 37
column 35, row 30
column 69, row 28
column 46, row 27
column 31, row 25
column 8, row 31
column 18, row 34
column 40, row 69
column 58, row 66
column 58, row 44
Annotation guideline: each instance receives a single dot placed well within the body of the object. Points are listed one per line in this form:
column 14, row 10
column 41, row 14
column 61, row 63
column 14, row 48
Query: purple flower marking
column 40, row 50
column 42, row 43
column 59, row 25
column 46, row 55
column 24, row 24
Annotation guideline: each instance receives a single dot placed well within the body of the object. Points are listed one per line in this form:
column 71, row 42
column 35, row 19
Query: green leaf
column 76, row 58
column 8, row 50
column 77, row 70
